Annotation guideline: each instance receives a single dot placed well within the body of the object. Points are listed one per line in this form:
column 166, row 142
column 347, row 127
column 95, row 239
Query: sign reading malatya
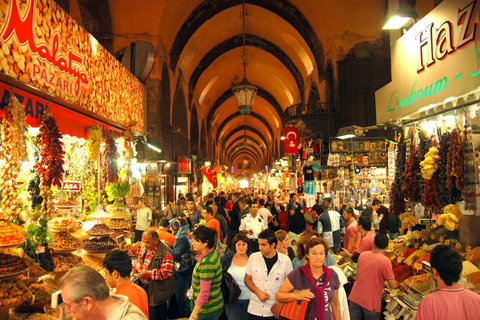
column 43, row 46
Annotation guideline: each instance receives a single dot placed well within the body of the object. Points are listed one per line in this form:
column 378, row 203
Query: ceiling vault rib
column 238, row 114
column 282, row 8
column 236, row 42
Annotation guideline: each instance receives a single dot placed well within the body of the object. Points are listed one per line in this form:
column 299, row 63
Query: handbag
column 185, row 265
column 310, row 217
column 230, row 289
column 293, row 310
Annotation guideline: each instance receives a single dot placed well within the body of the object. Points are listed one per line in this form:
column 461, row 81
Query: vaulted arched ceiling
column 288, row 44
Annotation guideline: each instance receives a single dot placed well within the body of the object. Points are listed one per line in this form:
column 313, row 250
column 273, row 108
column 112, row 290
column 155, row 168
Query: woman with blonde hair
column 305, row 236
column 314, row 281
column 283, row 244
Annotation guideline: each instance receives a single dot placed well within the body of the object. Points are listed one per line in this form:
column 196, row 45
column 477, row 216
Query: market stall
column 69, row 112
column 433, row 102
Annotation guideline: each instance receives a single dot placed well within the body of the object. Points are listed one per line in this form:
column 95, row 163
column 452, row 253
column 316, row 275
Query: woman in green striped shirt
column 207, row 303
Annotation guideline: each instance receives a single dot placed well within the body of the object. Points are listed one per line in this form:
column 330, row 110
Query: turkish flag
column 292, row 138
column 207, row 172
column 214, row 181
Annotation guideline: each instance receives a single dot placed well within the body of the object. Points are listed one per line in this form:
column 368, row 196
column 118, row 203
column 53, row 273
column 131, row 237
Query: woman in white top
column 236, row 263
column 171, row 210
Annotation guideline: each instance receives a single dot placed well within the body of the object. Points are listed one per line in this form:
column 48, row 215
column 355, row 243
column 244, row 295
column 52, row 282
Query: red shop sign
column 71, row 185
column 184, row 165
column 68, row 121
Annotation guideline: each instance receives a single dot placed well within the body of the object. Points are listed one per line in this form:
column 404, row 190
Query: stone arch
column 164, row 114
column 179, row 125
column 194, row 132
column 203, row 140
column 330, row 82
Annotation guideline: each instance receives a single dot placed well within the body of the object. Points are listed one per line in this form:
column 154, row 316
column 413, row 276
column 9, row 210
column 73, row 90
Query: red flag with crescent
column 214, row 180
column 292, row 137
column 207, row 172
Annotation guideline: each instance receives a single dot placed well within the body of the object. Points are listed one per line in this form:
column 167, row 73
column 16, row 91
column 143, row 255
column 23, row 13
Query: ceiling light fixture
column 244, row 92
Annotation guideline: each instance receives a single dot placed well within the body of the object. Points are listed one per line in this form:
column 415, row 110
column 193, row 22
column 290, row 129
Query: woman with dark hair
column 235, row 262
column 300, row 259
column 207, row 299
column 314, row 280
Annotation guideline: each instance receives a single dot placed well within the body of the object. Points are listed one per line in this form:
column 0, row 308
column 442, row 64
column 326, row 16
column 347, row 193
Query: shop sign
column 438, row 58
column 71, row 185
column 184, row 165
column 43, row 46
column 68, row 121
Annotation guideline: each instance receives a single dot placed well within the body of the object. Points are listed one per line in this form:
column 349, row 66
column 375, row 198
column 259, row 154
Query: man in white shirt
column 143, row 215
column 264, row 212
column 253, row 223
column 265, row 273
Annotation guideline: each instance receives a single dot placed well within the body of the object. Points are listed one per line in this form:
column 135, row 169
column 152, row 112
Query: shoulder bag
column 230, row 289
column 293, row 310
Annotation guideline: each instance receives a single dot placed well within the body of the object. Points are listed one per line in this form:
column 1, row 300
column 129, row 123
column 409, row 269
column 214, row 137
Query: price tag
column 79, row 251
column 40, row 249
column 440, row 239
column 409, row 262
column 416, row 245
column 447, row 242
column 469, row 248
column 418, row 266
column 424, row 246
column 407, row 243
column 458, row 245
column 399, row 259
column 432, row 236
column 469, row 256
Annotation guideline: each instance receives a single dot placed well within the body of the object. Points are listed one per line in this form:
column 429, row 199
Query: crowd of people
column 275, row 251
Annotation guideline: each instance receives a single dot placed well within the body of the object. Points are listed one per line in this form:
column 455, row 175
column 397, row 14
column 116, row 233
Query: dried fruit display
column 470, row 190
column 94, row 141
column 11, row 264
column 425, row 141
column 444, row 195
column 455, row 161
column 92, row 262
column 119, row 224
column 50, row 165
column 10, row 233
column 397, row 200
column 99, row 230
column 99, row 244
column 109, row 162
column 430, row 193
column 64, row 262
column 410, row 187
column 65, row 241
column 13, row 292
column 13, row 151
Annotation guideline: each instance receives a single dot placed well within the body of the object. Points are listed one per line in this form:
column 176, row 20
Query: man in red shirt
column 373, row 269
column 210, row 220
column 366, row 242
column 118, row 266
column 155, row 270
column 351, row 240
column 449, row 300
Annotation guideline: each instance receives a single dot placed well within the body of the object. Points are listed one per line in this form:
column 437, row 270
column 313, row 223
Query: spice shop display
column 66, row 261
column 11, row 265
column 13, row 293
column 100, row 230
column 65, row 241
column 12, row 152
column 11, row 235
column 96, row 244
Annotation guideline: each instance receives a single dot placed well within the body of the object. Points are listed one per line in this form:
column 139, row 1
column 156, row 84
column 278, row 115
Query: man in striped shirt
column 155, row 270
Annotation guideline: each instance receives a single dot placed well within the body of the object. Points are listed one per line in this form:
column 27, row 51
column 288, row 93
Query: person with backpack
column 235, row 262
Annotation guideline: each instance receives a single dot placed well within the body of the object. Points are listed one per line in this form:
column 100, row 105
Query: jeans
column 159, row 312
column 357, row 312
column 237, row 310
